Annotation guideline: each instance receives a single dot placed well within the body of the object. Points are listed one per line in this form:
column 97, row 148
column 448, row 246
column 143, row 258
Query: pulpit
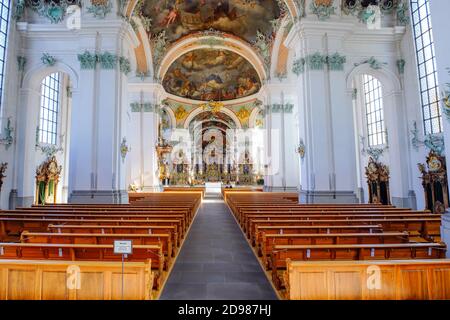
column 434, row 182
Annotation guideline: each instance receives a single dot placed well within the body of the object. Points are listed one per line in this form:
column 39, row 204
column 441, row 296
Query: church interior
column 224, row 149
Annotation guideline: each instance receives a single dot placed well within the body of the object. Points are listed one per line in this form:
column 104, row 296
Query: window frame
column 4, row 21
column 50, row 109
column 427, row 78
column 374, row 118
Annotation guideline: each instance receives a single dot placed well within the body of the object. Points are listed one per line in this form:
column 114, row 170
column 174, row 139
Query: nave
column 186, row 245
column 216, row 262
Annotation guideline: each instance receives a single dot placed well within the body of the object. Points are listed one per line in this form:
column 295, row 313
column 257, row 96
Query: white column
column 328, row 127
column 96, row 164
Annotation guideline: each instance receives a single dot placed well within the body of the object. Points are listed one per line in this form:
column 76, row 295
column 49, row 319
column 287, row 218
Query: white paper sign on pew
column 123, row 246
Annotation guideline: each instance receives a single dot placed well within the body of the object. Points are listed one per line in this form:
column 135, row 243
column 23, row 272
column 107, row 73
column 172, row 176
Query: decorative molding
column 298, row 66
column 50, row 150
column 48, row 60
column 69, row 91
column 53, row 10
column 100, row 8
column 336, row 62
column 323, row 9
column 21, row 62
column 354, row 94
column 434, row 142
column 402, row 12
column 263, row 44
column 125, row 65
column 301, row 149
column 143, row 107
column 278, row 108
column 159, row 45
column 124, row 148
column 373, row 63
column 281, row 76
column 139, row 12
column 107, row 60
column 88, row 60
column 401, row 66
column 415, row 142
column 243, row 114
column 446, row 99
column 19, row 10
column 316, row 61
column 300, row 4
column 373, row 152
column 142, row 74
column 8, row 139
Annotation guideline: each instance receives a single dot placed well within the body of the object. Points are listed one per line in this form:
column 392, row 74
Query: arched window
column 50, row 101
column 4, row 21
column 373, row 100
column 426, row 62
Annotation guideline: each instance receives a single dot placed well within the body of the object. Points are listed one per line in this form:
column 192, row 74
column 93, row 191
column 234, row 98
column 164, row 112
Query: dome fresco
column 242, row 18
column 211, row 74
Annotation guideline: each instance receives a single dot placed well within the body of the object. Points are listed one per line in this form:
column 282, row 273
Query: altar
column 213, row 187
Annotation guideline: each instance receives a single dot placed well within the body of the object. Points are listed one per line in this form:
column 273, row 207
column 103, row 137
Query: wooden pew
column 10, row 226
column 246, row 223
column 48, row 280
column 84, row 252
column 81, row 216
column 425, row 227
column 269, row 241
column 164, row 240
column 396, row 251
column 368, row 280
column 108, row 229
column 260, row 230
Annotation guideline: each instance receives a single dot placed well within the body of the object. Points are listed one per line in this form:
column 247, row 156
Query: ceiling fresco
column 211, row 75
column 242, row 18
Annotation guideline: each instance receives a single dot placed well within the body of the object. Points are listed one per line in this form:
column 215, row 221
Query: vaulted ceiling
column 241, row 18
column 213, row 67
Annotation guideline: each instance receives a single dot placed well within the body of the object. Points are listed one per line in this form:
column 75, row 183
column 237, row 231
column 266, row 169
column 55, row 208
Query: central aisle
column 216, row 261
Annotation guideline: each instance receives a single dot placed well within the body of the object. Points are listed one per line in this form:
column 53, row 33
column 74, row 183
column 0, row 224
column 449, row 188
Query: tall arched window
column 373, row 100
column 4, row 20
column 50, row 101
column 426, row 61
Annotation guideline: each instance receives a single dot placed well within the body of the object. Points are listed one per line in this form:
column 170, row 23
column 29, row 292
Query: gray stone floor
column 216, row 262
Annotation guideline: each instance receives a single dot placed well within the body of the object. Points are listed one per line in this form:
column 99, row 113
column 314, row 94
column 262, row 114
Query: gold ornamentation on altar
column 180, row 113
column 377, row 175
column 434, row 182
column 47, row 179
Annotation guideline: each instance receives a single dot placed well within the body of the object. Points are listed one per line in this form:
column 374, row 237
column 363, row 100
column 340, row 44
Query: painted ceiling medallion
column 211, row 75
column 179, row 18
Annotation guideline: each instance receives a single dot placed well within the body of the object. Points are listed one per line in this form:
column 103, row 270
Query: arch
column 389, row 80
column 171, row 114
column 198, row 111
column 34, row 76
column 253, row 116
column 200, row 41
